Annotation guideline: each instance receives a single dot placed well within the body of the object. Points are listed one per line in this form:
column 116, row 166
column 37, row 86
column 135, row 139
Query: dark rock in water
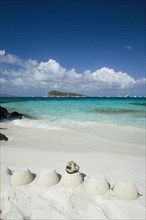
column 15, row 115
column 3, row 137
column 4, row 114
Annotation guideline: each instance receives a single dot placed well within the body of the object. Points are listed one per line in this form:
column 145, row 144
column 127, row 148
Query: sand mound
column 126, row 189
column 46, row 215
column 97, row 185
column 71, row 180
column 21, row 177
column 48, row 178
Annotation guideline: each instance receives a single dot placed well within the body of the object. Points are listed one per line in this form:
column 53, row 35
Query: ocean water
column 60, row 113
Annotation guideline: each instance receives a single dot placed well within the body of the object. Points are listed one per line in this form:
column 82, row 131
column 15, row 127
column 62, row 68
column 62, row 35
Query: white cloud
column 2, row 52
column 108, row 77
column 51, row 75
column 141, row 81
column 18, row 82
column 3, row 81
column 8, row 58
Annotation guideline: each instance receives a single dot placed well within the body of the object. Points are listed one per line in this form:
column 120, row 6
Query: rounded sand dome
column 126, row 190
column 48, row 178
column 71, row 180
column 21, row 177
column 97, row 185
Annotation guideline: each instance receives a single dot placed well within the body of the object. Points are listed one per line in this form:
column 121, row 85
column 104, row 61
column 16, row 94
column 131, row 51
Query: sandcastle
column 97, row 185
column 21, row 177
column 48, row 178
column 125, row 190
column 73, row 177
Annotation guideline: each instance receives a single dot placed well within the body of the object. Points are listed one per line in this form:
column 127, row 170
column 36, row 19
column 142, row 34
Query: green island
column 64, row 94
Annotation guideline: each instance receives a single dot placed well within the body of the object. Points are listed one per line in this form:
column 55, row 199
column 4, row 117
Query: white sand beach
column 115, row 153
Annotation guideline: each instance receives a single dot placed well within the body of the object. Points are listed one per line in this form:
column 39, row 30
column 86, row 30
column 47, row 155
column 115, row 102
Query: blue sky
column 96, row 47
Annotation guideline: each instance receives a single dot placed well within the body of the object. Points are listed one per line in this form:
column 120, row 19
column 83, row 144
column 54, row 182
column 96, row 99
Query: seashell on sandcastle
column 72, row 167
column 73, row 177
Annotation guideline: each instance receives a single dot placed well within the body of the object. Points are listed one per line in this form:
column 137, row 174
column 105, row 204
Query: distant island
column 64, row 94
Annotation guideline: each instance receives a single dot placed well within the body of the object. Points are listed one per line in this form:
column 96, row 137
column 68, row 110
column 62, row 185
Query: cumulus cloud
column 51, row 75
column 141, row 81
column 8, row 58
column 2, row 52
column 108, row 77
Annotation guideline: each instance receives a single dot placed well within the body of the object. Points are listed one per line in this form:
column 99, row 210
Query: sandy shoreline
column 114, row 156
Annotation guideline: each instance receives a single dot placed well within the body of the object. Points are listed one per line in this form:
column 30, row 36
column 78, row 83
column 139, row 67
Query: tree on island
column 64, row 94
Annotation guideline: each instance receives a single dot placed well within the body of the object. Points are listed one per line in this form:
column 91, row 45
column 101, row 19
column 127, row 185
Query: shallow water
column 69, row 112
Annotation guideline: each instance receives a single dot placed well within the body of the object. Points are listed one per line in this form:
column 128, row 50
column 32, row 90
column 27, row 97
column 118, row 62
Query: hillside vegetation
column 64, row 94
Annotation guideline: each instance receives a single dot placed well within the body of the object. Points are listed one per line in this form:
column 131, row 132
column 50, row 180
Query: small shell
column 72, row 167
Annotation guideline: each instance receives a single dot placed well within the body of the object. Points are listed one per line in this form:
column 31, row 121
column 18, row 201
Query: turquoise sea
column 64, row 112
